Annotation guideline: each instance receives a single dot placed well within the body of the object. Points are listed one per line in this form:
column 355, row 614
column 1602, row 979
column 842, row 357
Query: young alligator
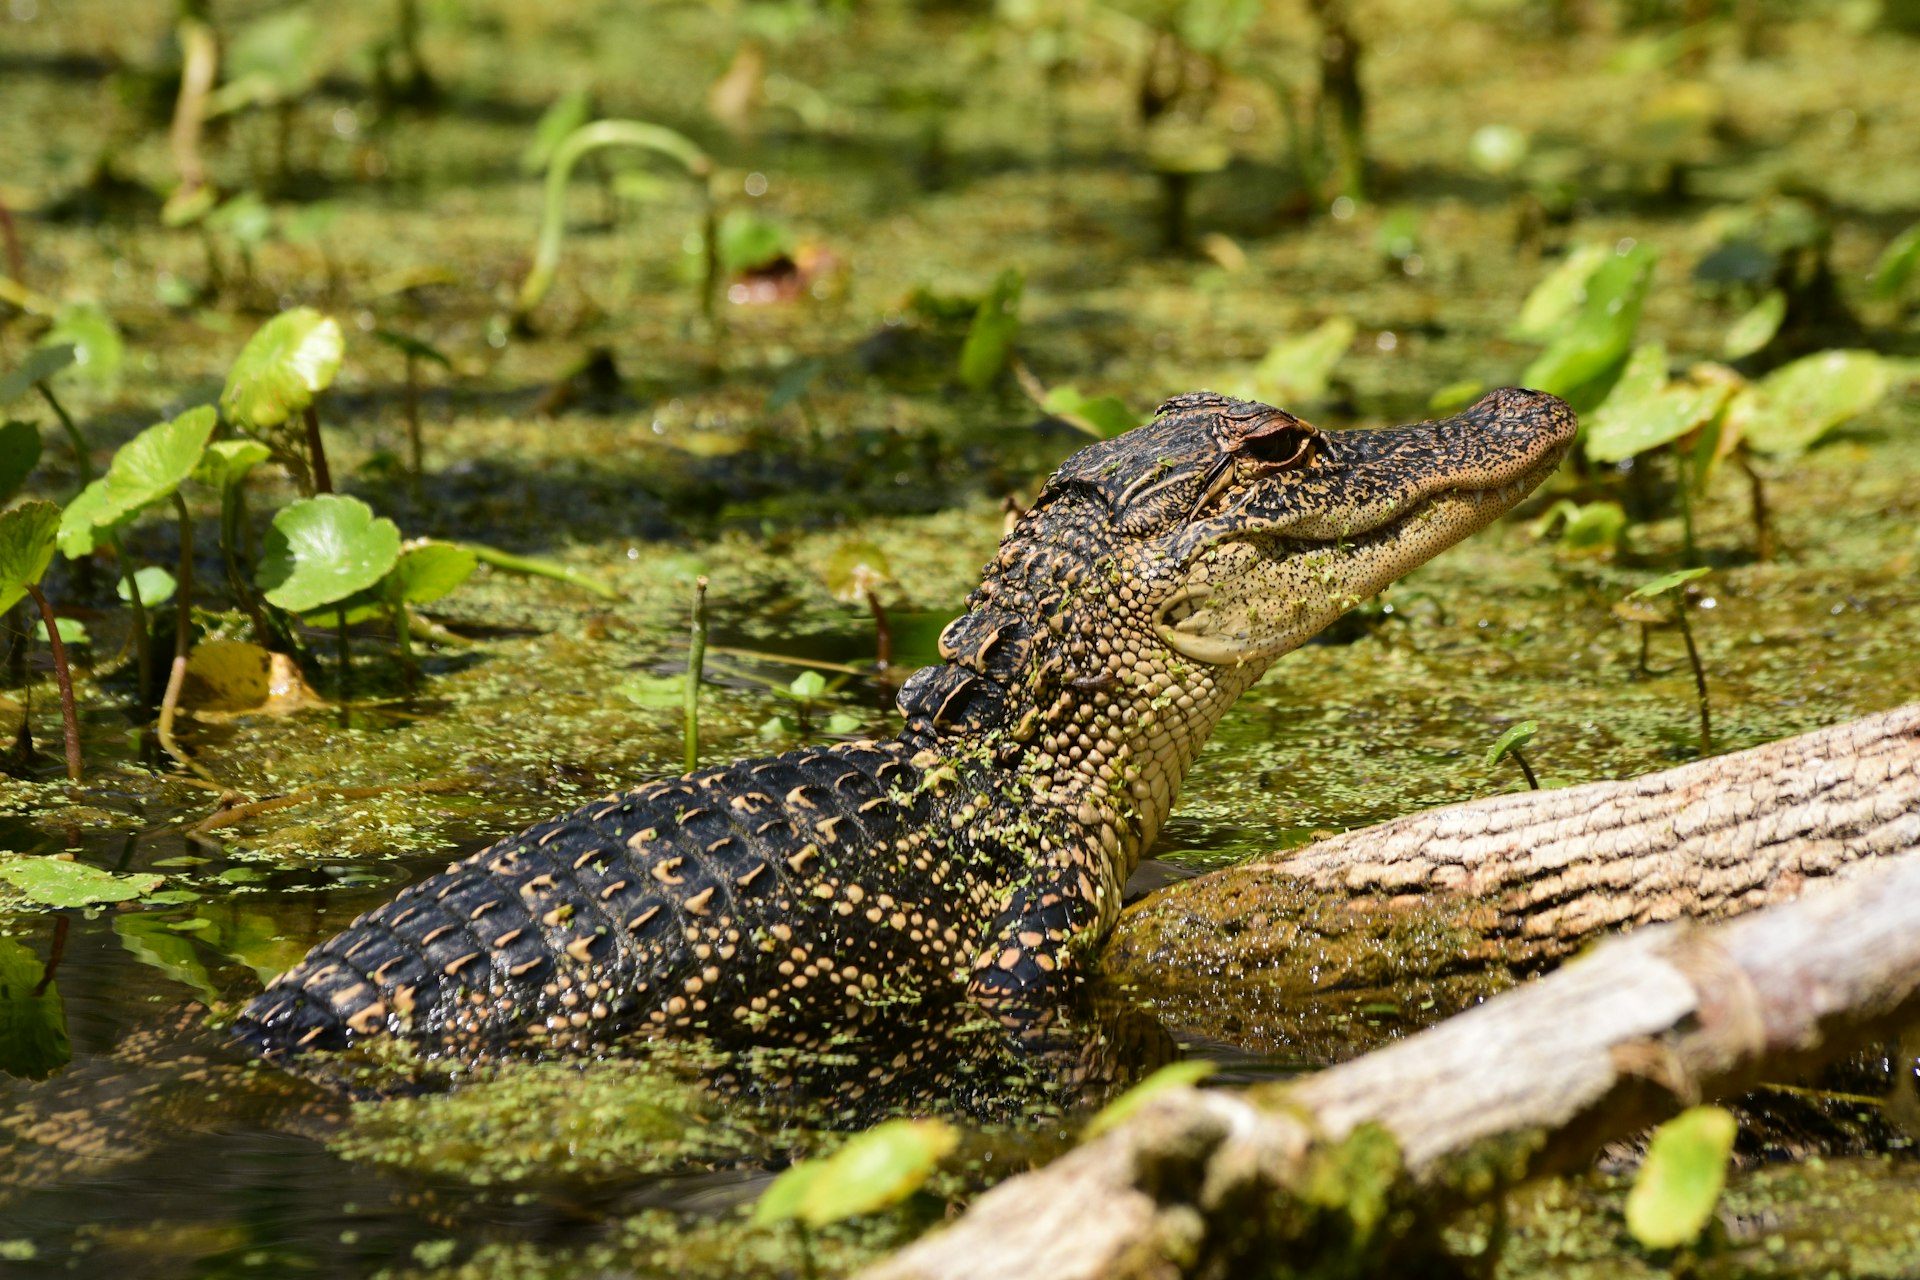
column 983, row 850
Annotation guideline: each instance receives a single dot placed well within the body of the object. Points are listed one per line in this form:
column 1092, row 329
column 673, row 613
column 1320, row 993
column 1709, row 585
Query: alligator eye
column 1291, row 446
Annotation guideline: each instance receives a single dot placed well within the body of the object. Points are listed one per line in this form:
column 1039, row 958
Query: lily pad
column 19, row 455
column 33, row 1022
column 146, row 470
column 1556, row 300
column 659, row 692
column 1796, row 404
column 879, row 1168
column 41, row 363
column 28, row 536
column 322, row 550
column 1681, row 1179
column 55, row 882
column 857, row 568
column 292, row 358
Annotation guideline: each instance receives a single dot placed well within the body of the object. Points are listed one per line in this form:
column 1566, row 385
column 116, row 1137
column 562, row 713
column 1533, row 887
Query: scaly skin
column 981, row 853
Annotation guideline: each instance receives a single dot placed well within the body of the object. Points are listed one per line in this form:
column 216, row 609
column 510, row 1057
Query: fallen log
column 1347, row 1164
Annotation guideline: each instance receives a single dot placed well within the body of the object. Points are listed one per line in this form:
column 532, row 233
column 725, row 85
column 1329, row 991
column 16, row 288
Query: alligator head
column 1159, row 574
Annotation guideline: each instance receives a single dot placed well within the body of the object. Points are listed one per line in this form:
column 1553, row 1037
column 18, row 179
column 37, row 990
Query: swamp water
column 130, row 1160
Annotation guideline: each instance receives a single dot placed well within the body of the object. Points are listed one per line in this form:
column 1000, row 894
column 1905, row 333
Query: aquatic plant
column 416, row 351
column 1509, row 744
column 1630, row 609
column 277, row 377
column 29, row 535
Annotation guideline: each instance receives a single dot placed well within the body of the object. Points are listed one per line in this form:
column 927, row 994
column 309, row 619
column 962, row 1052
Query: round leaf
column 53, row 882
column 322, row 550
column 147, row 469
column 856, row 569
column 1798, row 403
column 292, row 358
column 426, row 571
column 227, row 462
column 98, row 348
column 156, row 586
column 1651, row 421
column 19, row 455
column 28, row 535
column 1601, row 334
column 1680, row 1180
column 41, row 363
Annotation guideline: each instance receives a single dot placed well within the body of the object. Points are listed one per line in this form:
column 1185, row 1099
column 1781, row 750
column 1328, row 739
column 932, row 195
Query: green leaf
column 1102, row 417
column 808, row 685
column 72, row 632
column 1680, row 1181
column 227, row 462
column 1897, row 263
column 427, row 571
column 322, row 550
column 1516, row 736
column 147, row 469
column 1651, row 421
column 1798, row 403
column 28, row 535
column 54, row 882
column 1456, row 396
column 1665, row 583
column 19, row 455
column 1175, row 1075
column 98, row 348
column 657, row 692
column 1756, row 328
column 153, row 942
column 746, row 240
column 1556, row 300
column 878, row 1168
column 540, row 568
column 1497, row 149
column 795, row 381
column 41, row 363
column 1597, row 526
column 156, row 586
column 412, row 347
column 784, row 1196
column 568, row 112
column 855, row 569
column 1297, row 369
column 291, row 359
column 1590, row 349
column 33, row 1022
column 989, row 343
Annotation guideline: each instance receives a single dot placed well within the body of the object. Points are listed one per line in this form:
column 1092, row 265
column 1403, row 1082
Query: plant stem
column 696, row 659
column 402, row 618
column 1699, row 676
column 1683, row 462
column 317, row 452
column 346, row 662
column 182, row 642
column 142, row 641
column 1762, row 523
column 413, row 418
column 82, row 459
column 232, row 512
column 64, row 675
column 882, row 632
column 1533, row 783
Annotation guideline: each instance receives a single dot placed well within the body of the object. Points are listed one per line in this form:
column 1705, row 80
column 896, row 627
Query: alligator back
column 735, row 901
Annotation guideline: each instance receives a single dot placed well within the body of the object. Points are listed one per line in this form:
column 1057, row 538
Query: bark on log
column 1439, row 909
column 1207, row 1183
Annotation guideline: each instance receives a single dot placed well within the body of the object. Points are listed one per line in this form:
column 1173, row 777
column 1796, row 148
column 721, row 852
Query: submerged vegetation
column 415, row 419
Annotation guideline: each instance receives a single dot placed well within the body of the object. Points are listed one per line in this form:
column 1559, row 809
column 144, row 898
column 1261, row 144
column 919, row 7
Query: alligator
column 980, row 854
